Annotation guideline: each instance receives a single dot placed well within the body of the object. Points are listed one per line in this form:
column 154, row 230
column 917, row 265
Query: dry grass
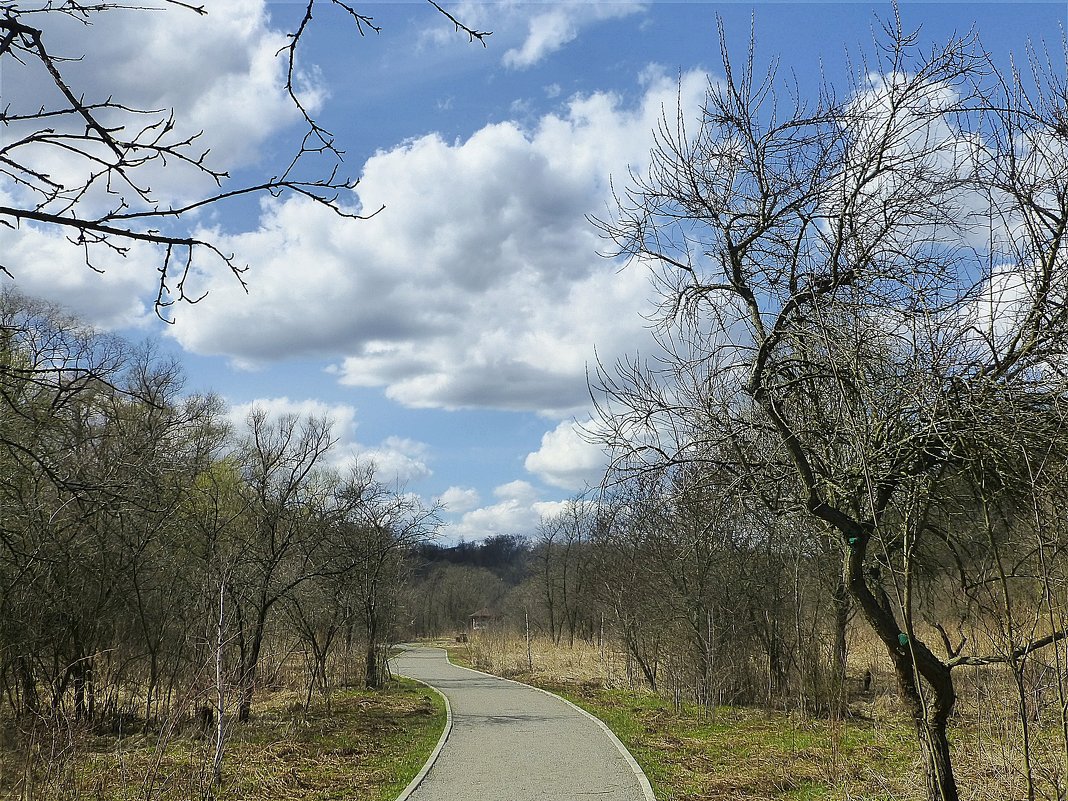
column 503, row 654
column 367, row 746
column 692, row 753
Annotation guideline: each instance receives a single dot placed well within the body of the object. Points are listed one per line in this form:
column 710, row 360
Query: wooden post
column 220, row 727
column 530, row 657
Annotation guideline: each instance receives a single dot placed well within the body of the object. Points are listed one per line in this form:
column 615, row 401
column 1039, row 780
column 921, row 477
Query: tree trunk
column 220, row 689
column 941, row 784
column 840, row 602
column 648, row 670
column 244, row 709
column 151, row 693
column 30, row 701
column 530, row 655
column 249, row 667
column 839, row 655
column 82, row 697
column 913, row 663
column 372, row 675
column 930, row 720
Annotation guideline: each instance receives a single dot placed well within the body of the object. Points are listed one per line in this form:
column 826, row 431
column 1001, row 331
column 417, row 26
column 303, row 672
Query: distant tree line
column 449, row 583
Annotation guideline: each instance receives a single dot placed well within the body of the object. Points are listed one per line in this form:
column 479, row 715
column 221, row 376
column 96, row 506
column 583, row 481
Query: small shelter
column 483, row 619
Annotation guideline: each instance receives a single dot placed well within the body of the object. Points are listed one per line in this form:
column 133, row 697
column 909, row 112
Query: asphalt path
column 511, row 742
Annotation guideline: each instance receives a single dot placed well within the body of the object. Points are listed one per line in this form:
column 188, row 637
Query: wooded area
column 159, row 565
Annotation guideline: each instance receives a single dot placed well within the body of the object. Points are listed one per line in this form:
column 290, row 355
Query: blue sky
column 449, row 337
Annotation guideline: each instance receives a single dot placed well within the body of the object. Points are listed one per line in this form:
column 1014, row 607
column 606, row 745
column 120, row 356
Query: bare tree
column 281, row 462
column 384, row 525
column 563, row 549
column 878, row 285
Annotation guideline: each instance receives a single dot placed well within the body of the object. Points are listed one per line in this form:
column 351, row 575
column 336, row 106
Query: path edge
column 628, row 757
column 414, row 783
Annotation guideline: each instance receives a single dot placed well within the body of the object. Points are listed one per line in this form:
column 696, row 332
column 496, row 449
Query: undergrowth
column 366, row 745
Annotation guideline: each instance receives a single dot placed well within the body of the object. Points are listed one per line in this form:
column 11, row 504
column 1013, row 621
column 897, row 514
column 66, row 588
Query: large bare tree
column 864, row 301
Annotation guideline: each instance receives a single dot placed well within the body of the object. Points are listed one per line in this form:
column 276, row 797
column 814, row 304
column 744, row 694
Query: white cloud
column 341, row 415
column 566, row 460
column 551, row 28
column 518, row 491
column 46, row 265
column 218, row 73
column 397, row 459
column 478, row 286
column 547, row 33
column 527, row 33
column 507, row 517
column 458, row 500
column 988, row 325
column 518, row 511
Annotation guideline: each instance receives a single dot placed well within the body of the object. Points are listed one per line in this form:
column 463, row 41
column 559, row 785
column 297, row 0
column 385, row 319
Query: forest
column 159, row 564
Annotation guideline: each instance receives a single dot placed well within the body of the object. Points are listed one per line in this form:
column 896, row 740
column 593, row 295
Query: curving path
column 511, row 742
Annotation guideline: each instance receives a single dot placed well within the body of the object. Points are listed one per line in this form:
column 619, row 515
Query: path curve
column 511, row 742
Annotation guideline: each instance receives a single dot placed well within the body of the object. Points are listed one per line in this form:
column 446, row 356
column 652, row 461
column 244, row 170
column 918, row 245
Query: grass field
column 367, row 747
column 736, row 754
column 693, row 753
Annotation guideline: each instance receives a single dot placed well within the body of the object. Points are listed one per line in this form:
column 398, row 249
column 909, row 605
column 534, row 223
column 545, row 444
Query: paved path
column 510, row 742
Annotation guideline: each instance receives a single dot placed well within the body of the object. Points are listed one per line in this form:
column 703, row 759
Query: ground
column 367, row 745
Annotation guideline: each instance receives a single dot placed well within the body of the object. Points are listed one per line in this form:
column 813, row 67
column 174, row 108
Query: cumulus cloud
column 566, row 460
column 547, row 33
column 478, row 286
column 219, row 78
column 46, row 265
column 987, row 326
column 341, row 415
column 517, row 511
column 518, row 491
column 458, row 500
column 218, row 72
column 239, row 102
column 550, row 29
column 398, row 459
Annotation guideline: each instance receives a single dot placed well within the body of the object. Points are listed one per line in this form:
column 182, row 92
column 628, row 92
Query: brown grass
column 368, row 745
column 693, row 753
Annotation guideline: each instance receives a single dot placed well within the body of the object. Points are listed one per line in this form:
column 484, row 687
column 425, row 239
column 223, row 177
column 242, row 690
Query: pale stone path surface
column 510, row 742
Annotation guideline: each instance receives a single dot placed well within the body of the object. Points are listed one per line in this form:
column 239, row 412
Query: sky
column 450, row 337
